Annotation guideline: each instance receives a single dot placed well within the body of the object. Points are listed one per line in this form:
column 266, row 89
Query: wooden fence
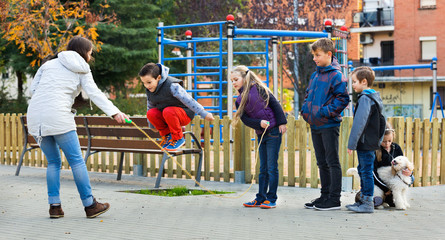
column 421, row 141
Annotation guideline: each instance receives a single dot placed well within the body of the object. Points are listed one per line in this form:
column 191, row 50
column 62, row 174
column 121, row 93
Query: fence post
column 2, row 138
column 207, row 150
column 426, row 151
column 416, row 159
column 247, row 154
column 291, row 150
column 137, row 164
column 442, row 154
column 8, row 138
column 238, row 152
column 303, row 149
column 226, row 147
column 216, row 148
column 434, row 150
column 343, row 153
column 409, row 138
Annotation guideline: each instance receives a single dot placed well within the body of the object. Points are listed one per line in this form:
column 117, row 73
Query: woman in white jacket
column 51, row 121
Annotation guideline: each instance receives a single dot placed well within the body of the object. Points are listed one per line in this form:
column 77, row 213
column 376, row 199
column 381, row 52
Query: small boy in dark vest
column 169, row 106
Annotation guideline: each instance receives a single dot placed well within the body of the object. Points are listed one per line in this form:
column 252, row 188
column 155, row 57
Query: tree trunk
column 20, row 81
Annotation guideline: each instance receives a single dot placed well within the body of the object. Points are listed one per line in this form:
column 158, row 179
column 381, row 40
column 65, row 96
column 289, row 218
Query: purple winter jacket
column 256, row 108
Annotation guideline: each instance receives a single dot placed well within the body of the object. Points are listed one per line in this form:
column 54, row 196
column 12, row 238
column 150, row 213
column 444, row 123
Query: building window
column 427, row 3
column 428, row 47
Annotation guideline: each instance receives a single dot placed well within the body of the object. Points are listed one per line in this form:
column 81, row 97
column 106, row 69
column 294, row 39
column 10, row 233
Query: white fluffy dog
column 394, row 179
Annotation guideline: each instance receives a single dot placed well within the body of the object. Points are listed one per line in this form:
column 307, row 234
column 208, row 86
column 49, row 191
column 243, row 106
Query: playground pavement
column 24, row 212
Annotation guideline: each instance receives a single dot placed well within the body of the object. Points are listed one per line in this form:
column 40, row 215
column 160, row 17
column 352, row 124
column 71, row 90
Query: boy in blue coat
column 326, row 97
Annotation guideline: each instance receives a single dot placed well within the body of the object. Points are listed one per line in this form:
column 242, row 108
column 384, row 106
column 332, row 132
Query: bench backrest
column 78, row 119
column 105, row 132
column 108, row 133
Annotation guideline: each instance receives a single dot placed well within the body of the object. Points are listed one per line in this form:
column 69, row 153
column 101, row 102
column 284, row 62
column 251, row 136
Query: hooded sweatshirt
column 169, row 93
column 326, row 97
column 53, row 90
column 364, row 134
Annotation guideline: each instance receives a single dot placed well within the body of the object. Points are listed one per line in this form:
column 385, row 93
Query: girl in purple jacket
column 260, row 110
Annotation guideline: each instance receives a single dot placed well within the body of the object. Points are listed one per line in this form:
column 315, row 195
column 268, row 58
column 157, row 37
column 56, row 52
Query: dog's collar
column 402, row 179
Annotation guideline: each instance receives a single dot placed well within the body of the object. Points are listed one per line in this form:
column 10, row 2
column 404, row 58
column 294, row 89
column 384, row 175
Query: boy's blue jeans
column 268, row 177
column 364, row 168
column 326, row 151
column 69, row 143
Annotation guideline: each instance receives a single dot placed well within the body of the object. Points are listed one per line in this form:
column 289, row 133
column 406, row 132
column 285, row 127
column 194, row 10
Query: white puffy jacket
column 53, row 90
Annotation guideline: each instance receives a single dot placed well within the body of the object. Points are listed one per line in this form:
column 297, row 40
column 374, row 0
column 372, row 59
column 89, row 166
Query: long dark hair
column 80, row 45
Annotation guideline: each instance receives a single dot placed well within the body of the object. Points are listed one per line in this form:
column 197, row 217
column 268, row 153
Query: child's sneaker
column 328, row 205
column 310, row 205
column 253, row 203
column 268, row 204
column 175, row 144
column 166, row 140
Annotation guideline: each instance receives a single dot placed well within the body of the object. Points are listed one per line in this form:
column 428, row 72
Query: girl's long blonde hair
column 249, row 79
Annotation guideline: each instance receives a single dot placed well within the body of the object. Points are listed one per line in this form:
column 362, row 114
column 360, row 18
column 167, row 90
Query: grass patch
column 175, row 192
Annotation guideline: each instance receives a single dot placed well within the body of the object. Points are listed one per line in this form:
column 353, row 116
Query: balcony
column 381, row 20
column 376, row 62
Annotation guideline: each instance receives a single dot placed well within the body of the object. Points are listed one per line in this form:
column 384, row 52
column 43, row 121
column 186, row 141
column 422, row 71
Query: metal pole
column 350, row 112
column 160, row 24
column 230, row 35
column 434, row 68
column 188, row 36
column 328, row 28
column 275, row 65
column 281, row 72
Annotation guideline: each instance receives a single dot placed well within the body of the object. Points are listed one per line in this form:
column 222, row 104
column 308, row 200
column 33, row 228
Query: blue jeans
column 364, row 168
column 325, row 143
column 69, row 143
column 268, row 177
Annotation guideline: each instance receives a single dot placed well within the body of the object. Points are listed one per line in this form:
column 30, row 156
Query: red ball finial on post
column 188, row 33
column 230, row 17
column 344, row 29
column 328, row 23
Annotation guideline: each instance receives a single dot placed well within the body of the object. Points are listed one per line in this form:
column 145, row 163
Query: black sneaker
column 310, row 205
column 328, row 205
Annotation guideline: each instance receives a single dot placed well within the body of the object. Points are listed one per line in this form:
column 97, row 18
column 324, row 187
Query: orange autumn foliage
column 44, row 27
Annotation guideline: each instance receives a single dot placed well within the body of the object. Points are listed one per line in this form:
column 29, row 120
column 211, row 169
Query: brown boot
column 56, row 211
column 96, row 209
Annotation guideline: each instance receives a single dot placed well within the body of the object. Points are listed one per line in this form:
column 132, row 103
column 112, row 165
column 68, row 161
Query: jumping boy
column 169, row 106
column 326, row 97
column 364, row 137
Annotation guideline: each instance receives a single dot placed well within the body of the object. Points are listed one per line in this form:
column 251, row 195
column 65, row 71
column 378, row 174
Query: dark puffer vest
column 163, row 97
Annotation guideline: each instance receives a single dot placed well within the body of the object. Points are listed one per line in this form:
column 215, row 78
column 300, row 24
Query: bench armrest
column 197, row 142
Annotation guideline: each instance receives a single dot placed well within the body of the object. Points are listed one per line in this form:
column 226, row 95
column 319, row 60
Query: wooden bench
column 103, row 134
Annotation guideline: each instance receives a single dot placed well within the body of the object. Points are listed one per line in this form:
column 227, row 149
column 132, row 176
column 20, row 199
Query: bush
column 13, row 106
column 129, row 106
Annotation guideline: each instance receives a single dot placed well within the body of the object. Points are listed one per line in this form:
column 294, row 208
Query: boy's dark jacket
column 364, row 134
column 326, row 97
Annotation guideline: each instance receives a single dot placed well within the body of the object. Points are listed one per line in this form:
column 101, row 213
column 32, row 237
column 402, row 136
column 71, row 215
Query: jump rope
column 190, row 175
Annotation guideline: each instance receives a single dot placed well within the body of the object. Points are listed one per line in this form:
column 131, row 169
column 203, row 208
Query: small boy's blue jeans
column 364, row 168
column 69, row 143
column 268, row 177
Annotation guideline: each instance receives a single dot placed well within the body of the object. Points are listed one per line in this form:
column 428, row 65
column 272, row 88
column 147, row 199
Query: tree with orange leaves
column 41, row 28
